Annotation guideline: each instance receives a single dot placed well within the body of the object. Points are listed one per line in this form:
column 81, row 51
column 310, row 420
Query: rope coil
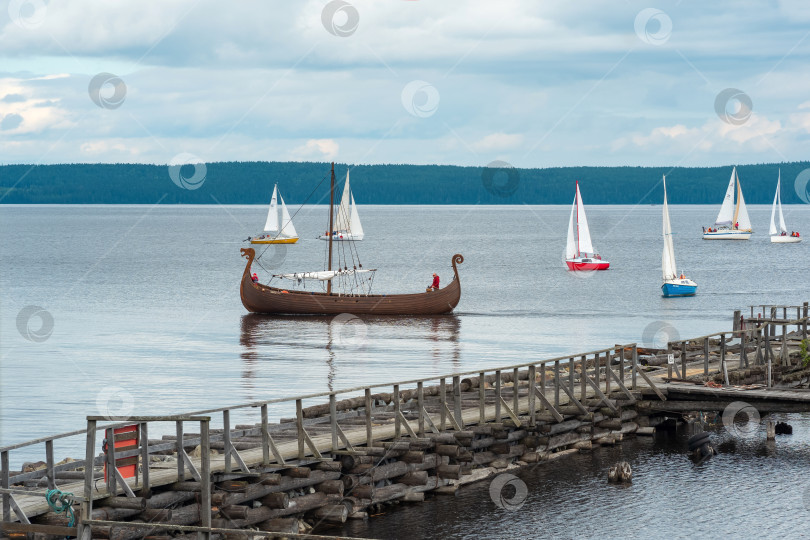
column 61, row 503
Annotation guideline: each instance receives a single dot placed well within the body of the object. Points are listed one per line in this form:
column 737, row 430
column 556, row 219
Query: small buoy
column 621, row 473
column 783, row 428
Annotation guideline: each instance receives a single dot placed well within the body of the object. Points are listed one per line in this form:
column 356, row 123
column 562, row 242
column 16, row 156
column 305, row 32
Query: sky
column 534, row 84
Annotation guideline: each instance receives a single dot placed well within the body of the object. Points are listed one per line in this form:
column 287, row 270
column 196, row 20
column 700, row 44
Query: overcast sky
column 536, row 84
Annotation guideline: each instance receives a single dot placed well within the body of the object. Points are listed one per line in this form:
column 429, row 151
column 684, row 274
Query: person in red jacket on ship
column 435, row 285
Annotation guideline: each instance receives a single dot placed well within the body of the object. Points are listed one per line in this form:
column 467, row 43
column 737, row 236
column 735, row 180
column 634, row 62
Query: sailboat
column 780, row 235
column 271, row 234
column 346, row 225
column 579, row 251
column 674, row 284
column 732, row 222
column 348, row 288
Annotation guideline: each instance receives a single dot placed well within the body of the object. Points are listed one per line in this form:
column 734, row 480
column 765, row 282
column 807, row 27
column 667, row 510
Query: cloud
column 315, row 150
column 498, row 141
column 10, row 121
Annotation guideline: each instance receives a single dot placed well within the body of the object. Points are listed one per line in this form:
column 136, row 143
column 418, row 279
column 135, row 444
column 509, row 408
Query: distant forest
column 252, row 183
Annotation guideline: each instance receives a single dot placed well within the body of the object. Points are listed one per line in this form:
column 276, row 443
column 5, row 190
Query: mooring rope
column 61, row 503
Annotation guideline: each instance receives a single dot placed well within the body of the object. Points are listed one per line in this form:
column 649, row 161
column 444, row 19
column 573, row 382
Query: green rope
column 62, row 503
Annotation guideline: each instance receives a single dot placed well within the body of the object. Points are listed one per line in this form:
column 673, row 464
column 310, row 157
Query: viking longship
column 348, row 288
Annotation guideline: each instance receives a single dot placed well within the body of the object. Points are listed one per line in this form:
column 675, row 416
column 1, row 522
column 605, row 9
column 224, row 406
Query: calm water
column 145, row 309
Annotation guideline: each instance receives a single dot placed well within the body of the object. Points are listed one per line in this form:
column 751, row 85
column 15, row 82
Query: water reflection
column 344, row 342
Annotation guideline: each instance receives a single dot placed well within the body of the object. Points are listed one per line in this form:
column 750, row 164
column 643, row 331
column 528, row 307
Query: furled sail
column 726, row 215
column 287, row 228
column 271, row 225
column 668, row 257
column 324, row 275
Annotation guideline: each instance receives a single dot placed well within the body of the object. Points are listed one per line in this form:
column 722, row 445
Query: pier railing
column 543, row 385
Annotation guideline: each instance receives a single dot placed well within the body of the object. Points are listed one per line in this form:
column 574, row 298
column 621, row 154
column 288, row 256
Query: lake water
column 147, row 319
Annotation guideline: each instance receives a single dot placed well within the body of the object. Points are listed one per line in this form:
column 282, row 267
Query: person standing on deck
column 435, row 285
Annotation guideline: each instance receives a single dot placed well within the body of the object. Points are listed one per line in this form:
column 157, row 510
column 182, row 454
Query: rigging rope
column 61, row 503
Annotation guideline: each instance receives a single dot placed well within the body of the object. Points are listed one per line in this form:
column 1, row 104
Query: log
column 132, row 503
column 449, row 471
column 413, row 456
column 562, row 427
column 329, row 466
column 482, row 458
column 256, row 491
column 270, row 479
column 648, row 431
column 186, row 486
column 414, row 478
column 169, row 498
column 414, row 497
column 156, row 514
column 331, row 513
column 331, row 486
column 281, row 499
column 281, row 525
column 298, row 472
column 566, row 439
column 450, row 450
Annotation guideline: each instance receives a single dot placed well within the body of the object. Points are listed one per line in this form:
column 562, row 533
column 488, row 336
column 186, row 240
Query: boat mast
column 331, row 211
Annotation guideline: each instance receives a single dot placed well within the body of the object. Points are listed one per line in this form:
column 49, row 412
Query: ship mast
column 331, row 210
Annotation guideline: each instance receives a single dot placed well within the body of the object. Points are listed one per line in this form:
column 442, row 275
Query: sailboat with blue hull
column 674, row 284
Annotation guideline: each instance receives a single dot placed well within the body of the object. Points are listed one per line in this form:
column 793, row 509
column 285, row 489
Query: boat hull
column 785, row 239
column 674, row 289
column 587, row 265
column 274, row 241
column 258, row 298
column 727, row 235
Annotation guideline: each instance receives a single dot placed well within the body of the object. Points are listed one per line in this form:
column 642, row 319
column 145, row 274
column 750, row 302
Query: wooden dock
column 366, row 446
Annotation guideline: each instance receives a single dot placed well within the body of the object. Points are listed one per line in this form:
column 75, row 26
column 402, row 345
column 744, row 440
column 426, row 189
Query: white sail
column 324, row 275
column 271, row 225
column 343, row 215
column 583, row 233
column 668, row 266
column 355, row 226
column 741, row 213
column 571, row 246
column 726, row 215
column 287, row 228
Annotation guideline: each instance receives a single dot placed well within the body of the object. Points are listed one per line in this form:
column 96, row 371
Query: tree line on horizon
column 307, row 182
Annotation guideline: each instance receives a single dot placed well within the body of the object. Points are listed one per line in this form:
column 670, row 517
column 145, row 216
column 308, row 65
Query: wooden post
column 482, row 394
column 669, row 366
column 49, row 463
column 112, row 480
column 143, row 432
column 770, row 431
column 571, row 375
column 299, row 424
column 498, row 395
column 608, row 361
column 683, row 359
column 457, row 399
column 543, row 378
column 369, row 430
column 265, row 437
column 89, row 456
column 226, row 435
column 443, row 410
column 743, row 347
column 706, row 357
column 556, row 383
column 4, row 483
column 736, row 324
column 596, row 368
column 532, row 398
column 420, row 404
column 723, row 357
column 621, row 362
column 804, row 324
column 785, row 355
column 181, row 473
column 634, row 365
column 205, row 477
column 397, row 412
column 333, row 421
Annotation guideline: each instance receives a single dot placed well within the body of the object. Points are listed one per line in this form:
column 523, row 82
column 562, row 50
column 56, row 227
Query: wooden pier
column 367, row 446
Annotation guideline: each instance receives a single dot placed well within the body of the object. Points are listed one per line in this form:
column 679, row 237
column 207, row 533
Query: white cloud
column 315, row 150
column 498, row 141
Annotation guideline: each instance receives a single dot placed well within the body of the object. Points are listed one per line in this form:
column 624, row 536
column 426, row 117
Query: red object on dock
column 124, row 438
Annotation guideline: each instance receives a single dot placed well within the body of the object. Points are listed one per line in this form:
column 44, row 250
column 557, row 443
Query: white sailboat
column 732, row 222
column 346, row 224
column 780, row 235
column 674, row 284
column 272, row 234
column 579, row 251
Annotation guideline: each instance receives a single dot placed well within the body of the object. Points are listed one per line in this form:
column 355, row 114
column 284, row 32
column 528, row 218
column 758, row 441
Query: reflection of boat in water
column 353, row 289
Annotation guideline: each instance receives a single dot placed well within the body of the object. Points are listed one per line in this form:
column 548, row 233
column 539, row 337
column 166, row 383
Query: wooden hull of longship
column 258, row 298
